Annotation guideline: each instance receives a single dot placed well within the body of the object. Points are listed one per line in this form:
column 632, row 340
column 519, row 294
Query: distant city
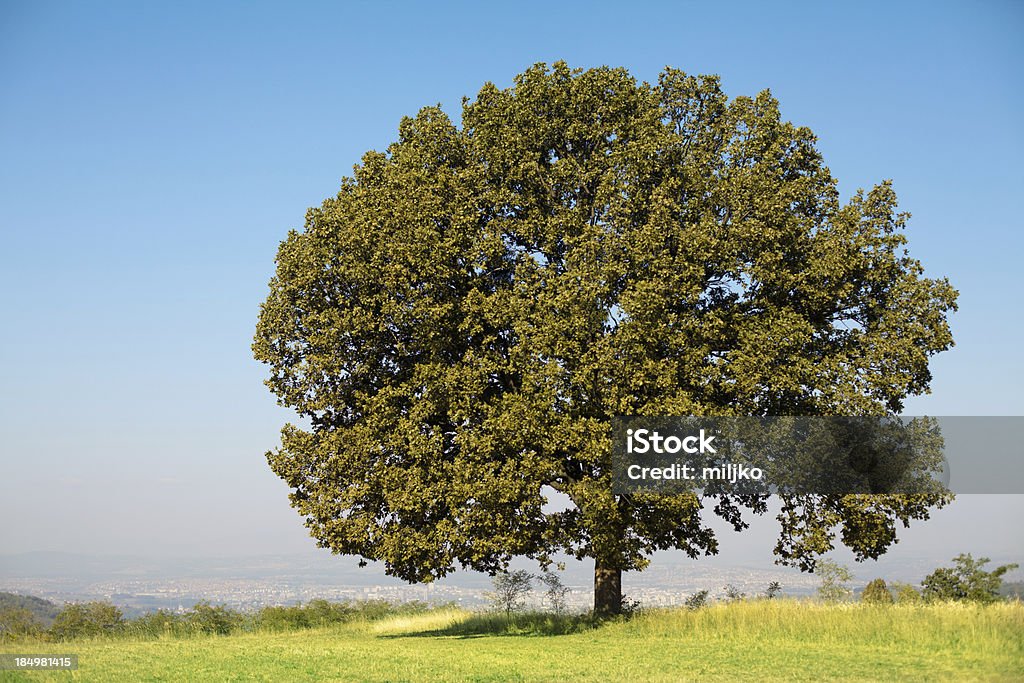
column 139, row 585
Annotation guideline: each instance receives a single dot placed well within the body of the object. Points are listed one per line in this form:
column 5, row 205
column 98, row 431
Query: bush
column 322, row 612
column 732, row 593
column 156, row 624
column 282, row 618
column 213, row 619
column 18, row 622
column 697, row 600
column 877, row 593
column 965, row 581
column 773, row 590
column 86, row 619
column 629, row 608
column 905, row 593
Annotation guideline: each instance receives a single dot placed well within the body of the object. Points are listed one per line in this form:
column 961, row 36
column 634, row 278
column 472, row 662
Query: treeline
column 103, row 619
column 965, row 581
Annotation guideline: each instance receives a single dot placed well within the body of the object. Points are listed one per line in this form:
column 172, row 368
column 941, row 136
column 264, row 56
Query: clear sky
column 152, row 156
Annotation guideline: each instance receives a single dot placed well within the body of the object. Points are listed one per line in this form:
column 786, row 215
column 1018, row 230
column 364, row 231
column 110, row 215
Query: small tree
column 834, row 580
column 510, row 590
column 555, row 591
column 877, row 593
column 965, row 581
column 697, row 600
column 733, row 593
column 773, row 590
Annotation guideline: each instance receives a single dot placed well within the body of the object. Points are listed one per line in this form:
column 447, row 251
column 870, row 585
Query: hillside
column 44, row 611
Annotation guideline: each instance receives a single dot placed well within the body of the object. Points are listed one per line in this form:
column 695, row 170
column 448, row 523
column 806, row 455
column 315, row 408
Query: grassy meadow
column 761, row 640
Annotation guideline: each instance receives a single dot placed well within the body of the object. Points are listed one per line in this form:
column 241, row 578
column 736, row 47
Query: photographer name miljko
column 642, row 441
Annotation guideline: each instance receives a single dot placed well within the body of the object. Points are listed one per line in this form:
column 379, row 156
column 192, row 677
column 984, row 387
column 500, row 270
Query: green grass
column 753, row 640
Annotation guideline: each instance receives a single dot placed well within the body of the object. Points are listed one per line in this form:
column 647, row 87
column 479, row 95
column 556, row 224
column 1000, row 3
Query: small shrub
column 156, row 624
column 773, row 590
column 213, row 619
column 323, row 612
column 282, row 618
column 877, row 593
column 629, row 607
column 732, row 593
column 697, row 600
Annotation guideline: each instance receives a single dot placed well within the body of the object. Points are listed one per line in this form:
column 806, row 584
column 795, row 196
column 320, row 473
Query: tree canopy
column 966, row 580
column 460, row 323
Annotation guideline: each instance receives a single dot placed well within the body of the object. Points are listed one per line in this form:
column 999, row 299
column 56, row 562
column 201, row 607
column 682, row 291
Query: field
column 752, row 640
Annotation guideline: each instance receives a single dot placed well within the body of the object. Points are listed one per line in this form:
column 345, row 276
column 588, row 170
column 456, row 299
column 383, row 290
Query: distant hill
column 43, row 610
column 1012, row 589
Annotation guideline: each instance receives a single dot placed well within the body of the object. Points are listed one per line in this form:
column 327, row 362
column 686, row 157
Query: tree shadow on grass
column 500, row 624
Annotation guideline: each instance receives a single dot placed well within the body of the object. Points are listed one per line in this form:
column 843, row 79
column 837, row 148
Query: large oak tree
column 462, row 321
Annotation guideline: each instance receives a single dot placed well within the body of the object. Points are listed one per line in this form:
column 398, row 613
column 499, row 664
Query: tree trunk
column 607, row 591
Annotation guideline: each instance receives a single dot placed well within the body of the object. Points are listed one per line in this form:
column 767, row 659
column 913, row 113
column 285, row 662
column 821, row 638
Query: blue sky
column 152, row 156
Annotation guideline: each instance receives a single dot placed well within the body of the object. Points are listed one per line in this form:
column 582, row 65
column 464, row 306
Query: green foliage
column 42, row 611
column 732, row 593
column 370, row 610
column 877, row 593
column 527, row 623
column 834, row 581
column 213, row 619
column 510, row 590
column 966, row 580
column 277, row 618
column 323, row 612
column 86, row 619
column 316, row 613
column 773, row 590
column 629, row 607
column 697, row 600
column 158, row 624
column 461, row 322
column 18, row 622
column 905, row 593
column 103, row 619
